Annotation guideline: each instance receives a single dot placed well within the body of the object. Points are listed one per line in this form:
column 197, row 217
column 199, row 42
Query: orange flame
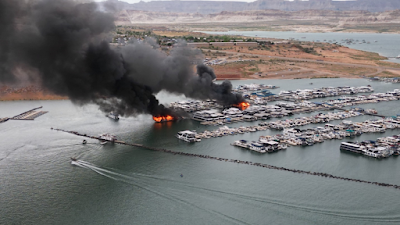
column 242, row 105
column 160, row 119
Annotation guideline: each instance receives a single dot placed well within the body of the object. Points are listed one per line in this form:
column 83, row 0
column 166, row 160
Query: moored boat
column 241, row 143
column 188, row 136
column 258, row 147
column 352, row 147
column 378, row 152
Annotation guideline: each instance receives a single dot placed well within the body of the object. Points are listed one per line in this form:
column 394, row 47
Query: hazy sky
column 134, row 1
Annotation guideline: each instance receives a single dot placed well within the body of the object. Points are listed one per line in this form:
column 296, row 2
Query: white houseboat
column 188, row 136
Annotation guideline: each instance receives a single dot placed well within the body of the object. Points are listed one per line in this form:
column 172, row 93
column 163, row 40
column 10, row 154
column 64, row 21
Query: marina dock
column 311, row 136
column 267, row 166
column 365, row 112
column 30, row 114
column 2, row 120
column 258, row 95
column 382, row 147
column 280, row 124
column 27, row 115
column 281, row 109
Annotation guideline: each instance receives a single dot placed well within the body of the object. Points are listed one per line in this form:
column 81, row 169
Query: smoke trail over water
column 66, row 47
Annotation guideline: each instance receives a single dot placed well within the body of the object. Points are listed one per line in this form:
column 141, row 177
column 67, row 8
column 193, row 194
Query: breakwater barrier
column 263, row 165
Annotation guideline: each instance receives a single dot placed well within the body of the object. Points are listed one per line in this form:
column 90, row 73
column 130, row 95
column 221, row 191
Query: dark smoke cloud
column 67, row 45
column 9, row 11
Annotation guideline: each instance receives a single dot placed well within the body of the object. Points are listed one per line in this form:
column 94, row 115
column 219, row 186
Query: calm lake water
column 384, row 44
column 130, row 185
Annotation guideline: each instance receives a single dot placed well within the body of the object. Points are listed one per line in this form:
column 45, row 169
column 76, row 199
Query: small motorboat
column 74, row 159
column 113, row 116
column 84, row 142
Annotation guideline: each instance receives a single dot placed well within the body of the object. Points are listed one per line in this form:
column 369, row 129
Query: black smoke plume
column 67, row 46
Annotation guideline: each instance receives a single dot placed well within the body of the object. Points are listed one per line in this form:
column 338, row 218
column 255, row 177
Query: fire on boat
column 160, row 119
column 242, row 105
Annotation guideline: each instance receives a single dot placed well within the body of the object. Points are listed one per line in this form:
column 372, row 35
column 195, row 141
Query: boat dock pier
column 30, row 114
column 280, row 124
column 364, row 112
column 241, row 162
column 281, row 109
column 374, row 114
column 2, row 120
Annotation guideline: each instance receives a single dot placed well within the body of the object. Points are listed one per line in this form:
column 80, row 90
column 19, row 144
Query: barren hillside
column 207, row 7
column 127, row 17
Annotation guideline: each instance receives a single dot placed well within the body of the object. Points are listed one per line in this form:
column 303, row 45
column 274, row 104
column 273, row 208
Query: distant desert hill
column 297, row 5
column 207, row 7
column 126, row 17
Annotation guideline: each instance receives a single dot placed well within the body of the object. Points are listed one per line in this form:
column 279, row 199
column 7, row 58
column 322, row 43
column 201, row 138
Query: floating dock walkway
column 28, row 115
column 366, row 113
column 239, row 161
column 2, row 120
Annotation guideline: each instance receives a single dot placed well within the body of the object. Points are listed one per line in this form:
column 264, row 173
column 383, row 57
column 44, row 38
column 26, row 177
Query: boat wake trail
column 101, row 171
column 11, row 152
column 144, row 185
column 173, row 191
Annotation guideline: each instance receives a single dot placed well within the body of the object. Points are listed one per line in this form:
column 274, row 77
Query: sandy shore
column 30, row 96
column 289, row 61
